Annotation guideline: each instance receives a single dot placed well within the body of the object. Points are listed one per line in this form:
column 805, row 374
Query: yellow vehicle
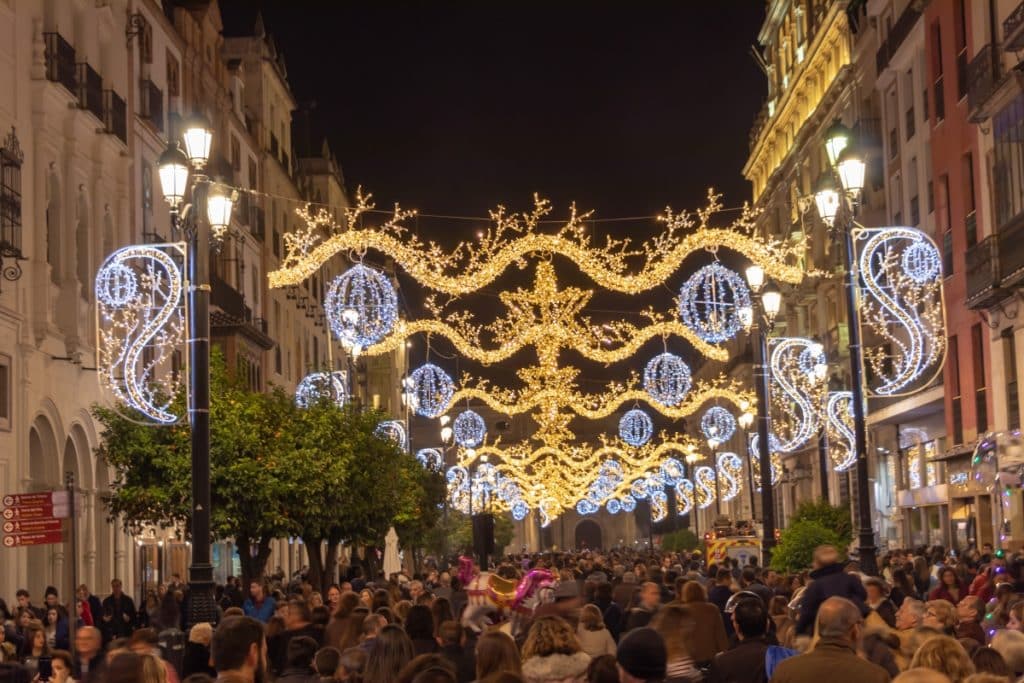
column 737, row 541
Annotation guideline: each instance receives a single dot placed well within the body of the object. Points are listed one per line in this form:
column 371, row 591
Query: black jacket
column 196, row 660
column 464, row 662
column 827, row 582
column 744, row 663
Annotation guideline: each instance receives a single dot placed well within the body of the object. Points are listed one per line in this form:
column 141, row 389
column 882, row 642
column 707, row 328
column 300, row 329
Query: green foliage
column 837, row 518
column 797, row 543
column 455, row 536
column 676, row 541
column 275, row 470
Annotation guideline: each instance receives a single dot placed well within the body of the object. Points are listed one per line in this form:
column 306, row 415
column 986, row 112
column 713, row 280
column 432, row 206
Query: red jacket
column 941, row 592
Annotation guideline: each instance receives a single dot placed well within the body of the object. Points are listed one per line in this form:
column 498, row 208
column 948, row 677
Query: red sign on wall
column 37, row 538
column 34, row 518
column 23, row 526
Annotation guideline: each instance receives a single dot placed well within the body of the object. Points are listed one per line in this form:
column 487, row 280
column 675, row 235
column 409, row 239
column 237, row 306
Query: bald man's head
column 921, row 675
column 837, row 618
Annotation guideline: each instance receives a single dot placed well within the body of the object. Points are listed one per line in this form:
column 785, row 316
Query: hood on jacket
column 827, row 570
column 556, row 667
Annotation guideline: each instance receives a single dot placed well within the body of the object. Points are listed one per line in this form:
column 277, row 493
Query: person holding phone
column 61, row 665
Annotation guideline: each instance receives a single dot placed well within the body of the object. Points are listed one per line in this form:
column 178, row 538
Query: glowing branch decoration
column 839, row 430
column 140, row 322
column 794, row 394
column 471, row 266
column 317, row 386
column 902, row 304
column 711, row 300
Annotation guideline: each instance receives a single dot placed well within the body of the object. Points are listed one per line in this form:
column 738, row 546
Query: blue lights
column 710, row 302
column 394, row 431
column 430, row 458
column 717, row 424
column 636, row 428
column 317, row 386
column 667, row 379
column 361, row 306
column 432, row 390
column 469, row 429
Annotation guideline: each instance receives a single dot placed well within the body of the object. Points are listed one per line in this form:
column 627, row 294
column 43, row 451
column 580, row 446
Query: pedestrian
column 88, row 665
column 351, row 665
column 325, row 663
column 828, row 580
column 259, row 605
column 745, row 662
column 594, row 638
column 552, row 654
column 650, row 601
column 391, row 651
column 496, row 652
column 298, row 621
column 834, row 657
column 676, row 626
column 949, row 587
column 238, row 649
column 419, row 626
column 969, row 612
column 118, row 613
column 196, row 658
column 641, row 657
column 339, row 624
column 945, row 655
column 299, row 661
column 710, row 636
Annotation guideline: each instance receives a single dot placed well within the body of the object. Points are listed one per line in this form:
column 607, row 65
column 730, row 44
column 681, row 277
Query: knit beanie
column 642, row 654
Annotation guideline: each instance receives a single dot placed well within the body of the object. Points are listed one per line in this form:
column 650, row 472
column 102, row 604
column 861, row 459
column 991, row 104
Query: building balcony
column 1013, row 30
column 982, row 260
column 152, row 104
column 60, row 61
column 983, row 76
column 90, row 90
column 897, row 34
column 231, row 315
column 115, row 115
column 1011, row 252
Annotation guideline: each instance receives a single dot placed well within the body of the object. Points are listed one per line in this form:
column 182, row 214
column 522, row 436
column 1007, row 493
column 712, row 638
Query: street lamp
column 834, row 202
column 767, row 301
column 209, row 212
column 446, row 439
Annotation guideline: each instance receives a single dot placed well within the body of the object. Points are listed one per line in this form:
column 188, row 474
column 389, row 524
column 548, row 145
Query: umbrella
column 392, row 563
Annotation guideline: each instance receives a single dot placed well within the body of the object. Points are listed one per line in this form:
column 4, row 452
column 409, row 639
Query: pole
column 823, row 462
column 200, row 573
column 753, row 493
column 865, row 532
column 761, row 377
column 69, row 485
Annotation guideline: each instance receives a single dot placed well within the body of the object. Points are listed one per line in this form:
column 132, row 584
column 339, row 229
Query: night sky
column 455, row 107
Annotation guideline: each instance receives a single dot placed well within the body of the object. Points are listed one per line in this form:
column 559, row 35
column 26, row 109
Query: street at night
column 541, row 343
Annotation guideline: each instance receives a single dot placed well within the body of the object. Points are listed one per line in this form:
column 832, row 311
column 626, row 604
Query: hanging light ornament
column 705, row 483
column 469, row 429
column 659, row 506
column 613, row 506
column 430, row 458
column 317, row 386
column 638, row 489
column 667, row 379
column 684, row 494
column 394, row 431
column 730, row 473
column 361, row 306
column 710, row 302
column 432, row 390
column 628, row 503
column 672, row 472
column 755, row 460
column 718, row 424
column 586, row 507
column 839, row 428
column 636, row 428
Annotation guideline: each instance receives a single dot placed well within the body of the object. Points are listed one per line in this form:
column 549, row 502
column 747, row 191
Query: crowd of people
column 622, row 616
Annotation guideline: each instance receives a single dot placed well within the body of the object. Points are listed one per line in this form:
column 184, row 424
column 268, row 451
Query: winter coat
column 557, row 668
column 831, row 660
column 828, row 581
column 596, row 643
column 742, row 664
column 941, row 592
column 710, row 637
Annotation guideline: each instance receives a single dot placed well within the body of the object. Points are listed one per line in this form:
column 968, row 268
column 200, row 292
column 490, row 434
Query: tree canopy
column 319, row 473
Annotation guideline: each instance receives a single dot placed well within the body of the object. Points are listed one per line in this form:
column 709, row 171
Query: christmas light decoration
column 469, row 429
column 432, row 390
column 317, row 386
column 839, row 430
column 628, row 503
column 472, row 265
column 659, row 506
column 684, row 496
column 636, row 428
column 672, row 471
column 141, row 321
column 394, row 431
column 667, row 379
column 430, row 458
column 718, row 424
column 794, row 394
column 755, row 461
column 613, row 506
column 361, row 307
column 704, row 480
column 710, row 301
column 730, row 474
column 902, row 304
column 585, row 507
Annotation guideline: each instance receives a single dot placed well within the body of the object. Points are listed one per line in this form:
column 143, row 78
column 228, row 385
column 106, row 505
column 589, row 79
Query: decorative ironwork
column 11, row 158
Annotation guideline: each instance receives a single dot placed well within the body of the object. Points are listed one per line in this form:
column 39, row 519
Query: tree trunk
column 331, row 563
column 253, row 567
column 314, row 549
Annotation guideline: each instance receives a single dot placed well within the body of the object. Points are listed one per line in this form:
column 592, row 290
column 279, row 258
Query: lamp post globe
column 173, row 170
column 851, row 168
column 197, row 137
column 826, row 199
column 837, row 137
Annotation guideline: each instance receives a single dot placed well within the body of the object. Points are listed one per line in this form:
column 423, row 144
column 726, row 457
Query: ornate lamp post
column 207, row 215
column 837, row 206
column 767, row 301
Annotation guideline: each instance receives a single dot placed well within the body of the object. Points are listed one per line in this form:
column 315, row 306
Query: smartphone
column 45, row 668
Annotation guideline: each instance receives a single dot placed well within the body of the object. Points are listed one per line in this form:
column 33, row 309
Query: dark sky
column 455, row 107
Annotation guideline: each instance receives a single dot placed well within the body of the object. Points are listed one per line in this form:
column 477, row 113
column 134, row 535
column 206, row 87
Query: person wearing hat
column 641, row 657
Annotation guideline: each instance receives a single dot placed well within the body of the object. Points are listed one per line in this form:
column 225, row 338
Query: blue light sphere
column 711, row 300
column 469, row 429
column 636, row 428
column 392, row 430
column 921, row 262
column 628, row 503
column 430, row 458
column 667, row 379
column 613, row 506
column 718, row 423
column 116, row 284
column 585, row 507
column 520, row 510
column 361, row 306
column 432, row 390
column 317, row 386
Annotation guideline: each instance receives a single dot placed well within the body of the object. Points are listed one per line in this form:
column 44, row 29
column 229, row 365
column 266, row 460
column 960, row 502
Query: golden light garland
column 470, row 266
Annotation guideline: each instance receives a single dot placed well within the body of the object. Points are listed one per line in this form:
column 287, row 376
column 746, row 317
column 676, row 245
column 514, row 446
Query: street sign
column 32, row 525
column 34, row 538
column 37, row 512
column 42, row 498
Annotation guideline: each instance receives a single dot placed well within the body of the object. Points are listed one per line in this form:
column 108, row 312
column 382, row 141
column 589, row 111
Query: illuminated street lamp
column 207, row 215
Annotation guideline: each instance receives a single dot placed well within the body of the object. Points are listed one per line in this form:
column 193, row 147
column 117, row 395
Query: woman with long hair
column 675, row 623
column 34, row 648
column 594, row 638
column 419, row 626
column 391, row 650
column 711, row 638
column 495, row 652
column 441, row 608
column 336, row 627
column 57, row 629
column 552, row 653
column 950, row 587
column 353, row 630
column 153, row 670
